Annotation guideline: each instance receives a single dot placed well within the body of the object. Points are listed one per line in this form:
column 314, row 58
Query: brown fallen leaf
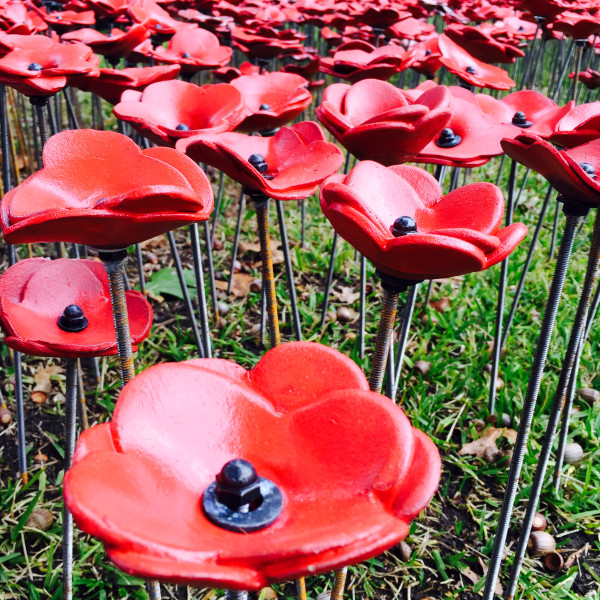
column 499, row 589
column 440, row 305
column 43, row 384
column 241, row 284
column 252, row 247
column 346, row 295
column 575, row 555
column 479, row 446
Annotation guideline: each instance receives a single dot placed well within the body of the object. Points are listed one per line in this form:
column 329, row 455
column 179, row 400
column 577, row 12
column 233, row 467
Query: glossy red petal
column 510, row 237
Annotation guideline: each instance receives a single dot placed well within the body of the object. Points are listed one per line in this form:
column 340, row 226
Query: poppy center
column 35, row 67
column 427, row 52
column 403, row 226
column 448, row 139
column 264, row 107
column 72, row 319
column 520, row 120
column 182, row 127
column 186, row 55
column 471, row 70
column 589, row 169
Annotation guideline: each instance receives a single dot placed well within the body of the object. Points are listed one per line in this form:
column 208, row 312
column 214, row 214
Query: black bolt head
column 186, row 55
column 258, row 162
column 589, row 169
column 238, row 486
column 520, row 120
column 448, row 139
column 471, row 70
column 35, row 67
column 264, row 107
column 72, row 320
column 427, row 52
column 158, row 26
column 182, row 127
column 404, row 226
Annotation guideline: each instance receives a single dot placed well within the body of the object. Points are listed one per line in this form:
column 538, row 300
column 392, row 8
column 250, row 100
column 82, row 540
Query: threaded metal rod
column 529, row 403
column 382, row 345
column 261, row 204
column 236, row 595
column 339, row 583
column 301, row 589
column 559, row 397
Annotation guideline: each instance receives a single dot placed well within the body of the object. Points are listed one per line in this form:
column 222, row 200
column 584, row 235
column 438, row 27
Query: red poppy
column 359, row 60
column 575, row 25
column 468, row 68
column 194, row 49
column 272, row 99
column 169, row 110
column 208, row 21
column 157, row 19
column 62, row 21
column 571, row 173
column 396, row 216
column 526, row 109
column 98, row 188
column 424, row 57
column 589, row 78
column 482, row 45
column 111, row 83
column 543, row 8
column 302, row 415
column 375, row 120
column 470, row 138
column 17, row 18
column 411, row 29
column 110, row 8
column 580, row 125
column 43, row 68
column 115, row 45
column 293, row 162
column 228, row 74
column 266, row 42
column 35, row 292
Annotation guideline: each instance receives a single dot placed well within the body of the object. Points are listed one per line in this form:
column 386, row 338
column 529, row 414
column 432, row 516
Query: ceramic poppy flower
column 65, row 20
column 375, row 120
column 169, row 110
column 424, row 56
column 544, row 8
column 579, row 126
column 17, row 18
column 470, row 138
column 359, row 60
column 571, row 173
column 44, row 68
column 34, row 294
column 482, row 45
column 266, row 42
column 111, row 83
column 272, row 99
column 228, row 74
column 396, row 216
column 526, row 109
column 577, row 26
column 110, row 8
column 98, row 188
column 589, row 78
column 292, row 163
column 115, row 45
column 468, row 68
column 140, row 482
column 194, row 49
column 411, row 29
column 157, row 19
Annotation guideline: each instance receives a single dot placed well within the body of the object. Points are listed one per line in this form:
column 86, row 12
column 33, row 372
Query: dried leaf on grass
column 254, row 247
column 346, row 295
column 575, row 555
column 42, row 378
column 241, row 284
column 479, row 446
column 499, row 589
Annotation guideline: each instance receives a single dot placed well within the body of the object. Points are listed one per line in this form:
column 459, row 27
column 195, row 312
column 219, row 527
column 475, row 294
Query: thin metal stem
column 140, row 261
column 289, row 271
column 186, row 293
column 339, row 583
column 217, row 208
column 554, row 230
column 559, row 397
column 529, row 403
column 329, row 277
column 211, row 267
column 301, row 589
column 407, row 315
column 236, row 240
column 363, row 306
column 200, row 291
column 382, row 345
column 501, row 294
column 236, row 595
column 72, row 389
column 261, row 204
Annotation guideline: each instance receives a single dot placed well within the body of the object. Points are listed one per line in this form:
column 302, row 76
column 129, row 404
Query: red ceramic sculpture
column 525, row 109
column 580, row 125
column 290, row 165
column 194, row 49
column 266, row 42
column 34, row 294
column 396, row 216
column 111, row 83
column 273, row 99
column 169, row 110
column 571, row 173
column 425, row 56
column 98, row 188
column 589, row 78
column 472, row 71
column 349, row 470
column 482, row 45
column 42, row 67
column 375, row 120
column 157, row 19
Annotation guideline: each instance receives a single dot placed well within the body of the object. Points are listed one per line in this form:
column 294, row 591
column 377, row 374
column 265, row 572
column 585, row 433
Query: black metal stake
column 407, row 314
column 200, row 291
column 236, row 239
column 575, row 214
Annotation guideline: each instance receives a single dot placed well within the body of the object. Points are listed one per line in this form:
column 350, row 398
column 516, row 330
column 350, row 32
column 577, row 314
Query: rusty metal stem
column 382, row 346
column 301, row 589
column 339, row 583
column 261, row 204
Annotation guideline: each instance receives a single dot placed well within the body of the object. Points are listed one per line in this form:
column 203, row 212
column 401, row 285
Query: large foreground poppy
column 350, row 469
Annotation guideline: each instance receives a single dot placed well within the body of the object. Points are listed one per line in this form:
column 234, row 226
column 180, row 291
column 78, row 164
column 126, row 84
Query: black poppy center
column 403, row 226
column 448, row 139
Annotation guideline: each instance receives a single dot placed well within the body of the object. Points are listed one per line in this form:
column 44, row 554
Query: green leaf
column 166, row 282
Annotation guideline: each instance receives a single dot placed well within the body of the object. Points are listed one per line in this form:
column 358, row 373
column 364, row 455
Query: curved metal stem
column 529, row 403
column 200, row 291
column 407, row 315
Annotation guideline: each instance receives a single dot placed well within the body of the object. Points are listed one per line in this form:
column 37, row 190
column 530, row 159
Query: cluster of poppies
column 343, row 466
